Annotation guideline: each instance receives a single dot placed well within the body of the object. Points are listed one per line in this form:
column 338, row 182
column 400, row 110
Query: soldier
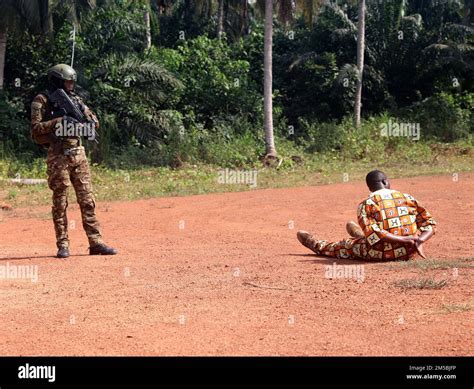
column 66, row 162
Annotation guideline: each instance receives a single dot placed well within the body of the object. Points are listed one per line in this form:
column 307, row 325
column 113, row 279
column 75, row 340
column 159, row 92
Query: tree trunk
column 146, row 16
column 308, row 13
column 220, row 19
column 244, row 31
column 360, row 62
column 209, row 10
column 188, row 10
column 267, row 88
column 46, row 17
column 3, row 49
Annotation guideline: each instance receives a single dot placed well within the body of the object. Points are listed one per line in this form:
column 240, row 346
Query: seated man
column 389, row 223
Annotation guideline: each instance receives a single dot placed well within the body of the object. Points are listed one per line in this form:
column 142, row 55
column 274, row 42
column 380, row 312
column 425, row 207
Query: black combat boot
column 102, row 249
column 63, row 252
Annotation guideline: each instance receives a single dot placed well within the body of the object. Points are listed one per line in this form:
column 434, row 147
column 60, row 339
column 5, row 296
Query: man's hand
column 425, row 235
column 417, row 243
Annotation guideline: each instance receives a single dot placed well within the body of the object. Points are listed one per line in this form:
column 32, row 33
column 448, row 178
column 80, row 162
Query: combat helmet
column 60, row 73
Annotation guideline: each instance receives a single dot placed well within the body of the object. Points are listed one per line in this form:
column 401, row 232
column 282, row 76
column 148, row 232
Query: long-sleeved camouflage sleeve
column 38, row 125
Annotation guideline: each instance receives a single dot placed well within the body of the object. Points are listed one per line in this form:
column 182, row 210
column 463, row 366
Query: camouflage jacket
column 43, row 125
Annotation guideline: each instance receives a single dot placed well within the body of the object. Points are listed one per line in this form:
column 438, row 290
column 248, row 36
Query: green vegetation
column 115, row 183
column 450, row 308
column 176, row 109
column 423, row 283
column 434, row 264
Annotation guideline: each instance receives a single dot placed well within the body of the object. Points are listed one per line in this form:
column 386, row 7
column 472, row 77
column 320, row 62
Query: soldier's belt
column 73, row 151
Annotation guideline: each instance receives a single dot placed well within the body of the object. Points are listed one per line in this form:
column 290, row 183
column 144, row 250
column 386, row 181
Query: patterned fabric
column 384, row 211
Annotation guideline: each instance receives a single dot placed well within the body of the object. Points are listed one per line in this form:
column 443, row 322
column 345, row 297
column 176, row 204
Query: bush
column 14, row 129
column 444, row 116
column 216, row 82
column 321, row 137
column 233, row 142
column 365, row 143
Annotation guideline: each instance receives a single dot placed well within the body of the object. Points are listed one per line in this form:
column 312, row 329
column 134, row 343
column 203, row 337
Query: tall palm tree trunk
column 220, row 19
column 146, row 17
column 46, row 17
column 308, row 12
column 267, row 83
column 244, row 30
column 3, row 49
column 360, row 62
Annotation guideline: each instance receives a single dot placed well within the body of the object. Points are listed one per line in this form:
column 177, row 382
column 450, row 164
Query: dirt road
column 223, row 274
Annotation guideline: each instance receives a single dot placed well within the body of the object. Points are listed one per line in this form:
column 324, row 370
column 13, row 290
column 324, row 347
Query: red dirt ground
column 205, row 289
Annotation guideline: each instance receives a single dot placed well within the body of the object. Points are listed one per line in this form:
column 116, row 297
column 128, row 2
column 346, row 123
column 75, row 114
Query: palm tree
column 146, row 17
column 220, row 19
column 360, row 62
column 3, row 48
column 245, row 18
column 46, row 17
column 36, row 15
column 270, row 149
column 147, row 9
column 285, row 10
column 384, row 22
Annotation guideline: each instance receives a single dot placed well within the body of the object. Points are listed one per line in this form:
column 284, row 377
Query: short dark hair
column 374, row 178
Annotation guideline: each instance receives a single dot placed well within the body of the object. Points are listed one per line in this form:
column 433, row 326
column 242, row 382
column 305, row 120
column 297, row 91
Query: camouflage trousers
column 62, row 171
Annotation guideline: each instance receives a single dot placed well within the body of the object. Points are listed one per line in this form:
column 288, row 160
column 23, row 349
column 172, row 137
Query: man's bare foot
column 420, row 250
column 354, row 230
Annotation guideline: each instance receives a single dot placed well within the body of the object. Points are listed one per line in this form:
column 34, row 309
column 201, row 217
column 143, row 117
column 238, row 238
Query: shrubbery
column 200, row 99
column 445, row 117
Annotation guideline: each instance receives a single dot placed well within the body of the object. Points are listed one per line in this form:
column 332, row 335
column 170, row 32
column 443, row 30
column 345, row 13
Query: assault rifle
column 70, row 109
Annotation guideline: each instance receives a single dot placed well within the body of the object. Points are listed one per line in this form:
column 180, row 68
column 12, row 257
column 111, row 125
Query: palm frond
column 342, row 16
column 149, row 79
column 347, row 71
column 302, row 59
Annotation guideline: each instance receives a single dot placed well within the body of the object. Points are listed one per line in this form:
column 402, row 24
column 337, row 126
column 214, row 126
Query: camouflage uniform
column 67, row 163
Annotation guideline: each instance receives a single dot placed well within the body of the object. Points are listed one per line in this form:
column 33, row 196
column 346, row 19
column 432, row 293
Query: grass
column 434, row 264
column 12, row 194
column 452, row 308
column 316, row 169
column 421, row 283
